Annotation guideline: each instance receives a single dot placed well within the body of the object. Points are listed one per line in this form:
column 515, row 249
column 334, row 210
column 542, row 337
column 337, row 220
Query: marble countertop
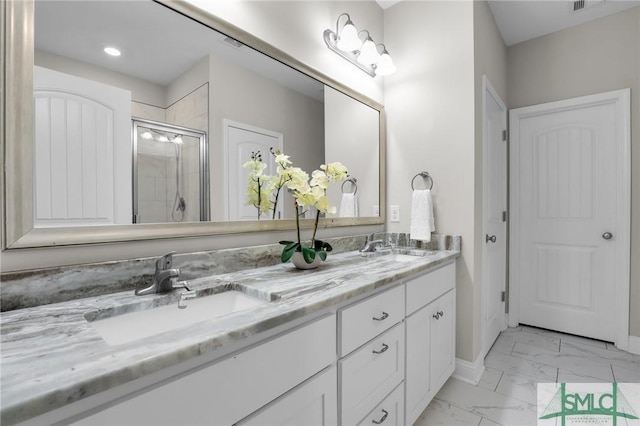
column 51, row 356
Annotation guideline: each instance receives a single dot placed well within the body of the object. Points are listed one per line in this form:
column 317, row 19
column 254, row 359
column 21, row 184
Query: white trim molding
column 469, row 372
column 634, row 345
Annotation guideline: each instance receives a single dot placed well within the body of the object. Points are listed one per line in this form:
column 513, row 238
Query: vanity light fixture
column 177, row 139
column 347, row 43
column 385, row 64
column 112, row 51
column 368, row 52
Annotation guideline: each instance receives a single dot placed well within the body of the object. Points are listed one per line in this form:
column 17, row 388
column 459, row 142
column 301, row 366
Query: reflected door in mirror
column 241, row 142
column 83, row 151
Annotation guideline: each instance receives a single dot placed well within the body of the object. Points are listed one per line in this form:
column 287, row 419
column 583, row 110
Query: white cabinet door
column 430, row 353
column 417, row 379
column 443, row 332
column 313, row 403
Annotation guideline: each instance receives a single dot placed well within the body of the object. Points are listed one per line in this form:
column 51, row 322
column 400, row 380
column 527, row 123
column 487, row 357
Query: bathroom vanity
column 360, row 340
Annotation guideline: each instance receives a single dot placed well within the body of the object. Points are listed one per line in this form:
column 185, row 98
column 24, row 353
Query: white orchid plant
column 263, row 192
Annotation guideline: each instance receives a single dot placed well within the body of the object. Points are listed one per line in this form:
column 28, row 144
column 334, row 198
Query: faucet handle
column 165, row 262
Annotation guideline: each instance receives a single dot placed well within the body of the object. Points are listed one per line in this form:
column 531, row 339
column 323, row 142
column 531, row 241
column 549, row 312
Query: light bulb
column 348, row 39
column 110, row 50
column 385, row 65
column 146, row 135
column 163, row 138
column 177, row 139
column 368, row 53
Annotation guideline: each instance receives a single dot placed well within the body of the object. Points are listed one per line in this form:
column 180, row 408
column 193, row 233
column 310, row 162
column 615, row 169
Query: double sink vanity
column 360, row 340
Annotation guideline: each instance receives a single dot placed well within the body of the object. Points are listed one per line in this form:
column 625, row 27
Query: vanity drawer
column 427, row 288
column 365, row 320
column 369, row 374
column 389, row 412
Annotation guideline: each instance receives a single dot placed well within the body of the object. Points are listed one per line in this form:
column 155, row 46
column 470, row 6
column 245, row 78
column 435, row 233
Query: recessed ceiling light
column 109, row 50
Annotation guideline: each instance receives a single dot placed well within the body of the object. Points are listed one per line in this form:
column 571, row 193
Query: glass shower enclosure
column 170, row 173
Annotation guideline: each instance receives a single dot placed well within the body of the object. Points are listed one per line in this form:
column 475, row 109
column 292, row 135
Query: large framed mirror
column 150, row 144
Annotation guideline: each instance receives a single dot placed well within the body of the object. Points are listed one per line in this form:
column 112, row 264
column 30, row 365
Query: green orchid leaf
column 321, row 245
column 288, row 251
column 322, row 254
column 309, row 254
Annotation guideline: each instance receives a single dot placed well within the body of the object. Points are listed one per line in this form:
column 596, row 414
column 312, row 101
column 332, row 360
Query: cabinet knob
column 384, row 349
column 385, row 413
column 438, row 314
column 381, row 318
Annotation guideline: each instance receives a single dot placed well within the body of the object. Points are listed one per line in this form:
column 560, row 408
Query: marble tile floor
column 520, row 358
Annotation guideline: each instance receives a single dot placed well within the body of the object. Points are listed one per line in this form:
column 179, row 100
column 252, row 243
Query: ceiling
column 521, row 20
column 158, row 48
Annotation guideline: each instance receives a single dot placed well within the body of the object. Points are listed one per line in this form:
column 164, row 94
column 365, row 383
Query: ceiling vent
column 585, row 4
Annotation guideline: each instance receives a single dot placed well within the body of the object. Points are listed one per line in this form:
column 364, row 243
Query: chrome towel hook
column 425, row 176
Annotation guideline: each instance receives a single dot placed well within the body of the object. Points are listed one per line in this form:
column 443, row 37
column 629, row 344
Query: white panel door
column 241, row 141
column 494, row 254
column 568, row 175
column 82, row 151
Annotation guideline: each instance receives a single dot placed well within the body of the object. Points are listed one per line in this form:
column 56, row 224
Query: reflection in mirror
column 172, row 70
column 169, row 173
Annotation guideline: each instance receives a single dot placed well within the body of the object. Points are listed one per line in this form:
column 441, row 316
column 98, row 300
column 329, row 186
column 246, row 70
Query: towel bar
column 425, row 176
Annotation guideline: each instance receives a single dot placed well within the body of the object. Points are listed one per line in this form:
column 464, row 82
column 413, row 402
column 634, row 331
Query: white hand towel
column 422, row 222
column 349, row 205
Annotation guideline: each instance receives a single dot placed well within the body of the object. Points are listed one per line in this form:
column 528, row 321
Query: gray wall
column 590, row 58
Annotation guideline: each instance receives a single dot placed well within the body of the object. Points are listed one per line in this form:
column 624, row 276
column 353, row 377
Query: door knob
column 488, row 238
column 607, row 235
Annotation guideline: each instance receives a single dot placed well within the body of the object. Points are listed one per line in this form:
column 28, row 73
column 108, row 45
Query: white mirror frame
column 16, row 128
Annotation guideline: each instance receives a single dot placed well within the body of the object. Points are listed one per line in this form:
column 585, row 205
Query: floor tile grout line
column 613, row 374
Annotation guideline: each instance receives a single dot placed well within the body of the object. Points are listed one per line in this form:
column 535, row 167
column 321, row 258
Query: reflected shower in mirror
column 169, row 173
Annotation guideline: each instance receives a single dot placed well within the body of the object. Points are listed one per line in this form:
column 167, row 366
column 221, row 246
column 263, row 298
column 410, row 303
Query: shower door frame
column 203, row 160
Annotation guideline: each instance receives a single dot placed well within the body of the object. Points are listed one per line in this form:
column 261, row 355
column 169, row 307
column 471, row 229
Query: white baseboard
column 634, row 345
column 469, row 372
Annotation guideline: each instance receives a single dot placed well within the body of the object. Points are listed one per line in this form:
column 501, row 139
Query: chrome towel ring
column 425, row 176
column 353, row 181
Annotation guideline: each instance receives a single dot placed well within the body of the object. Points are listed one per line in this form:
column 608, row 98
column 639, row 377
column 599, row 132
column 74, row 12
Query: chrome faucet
column 371, row 246
column 165, row 279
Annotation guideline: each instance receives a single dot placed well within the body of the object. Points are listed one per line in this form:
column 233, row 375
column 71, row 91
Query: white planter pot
column 299, row 262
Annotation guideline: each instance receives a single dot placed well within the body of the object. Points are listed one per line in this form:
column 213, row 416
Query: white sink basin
column 397, row 257
column 133, row 326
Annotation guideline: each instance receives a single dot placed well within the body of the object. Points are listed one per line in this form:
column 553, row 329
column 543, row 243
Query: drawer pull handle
column 438, row 314
column 382, row 318
column 382, row 419
column 384, row 349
